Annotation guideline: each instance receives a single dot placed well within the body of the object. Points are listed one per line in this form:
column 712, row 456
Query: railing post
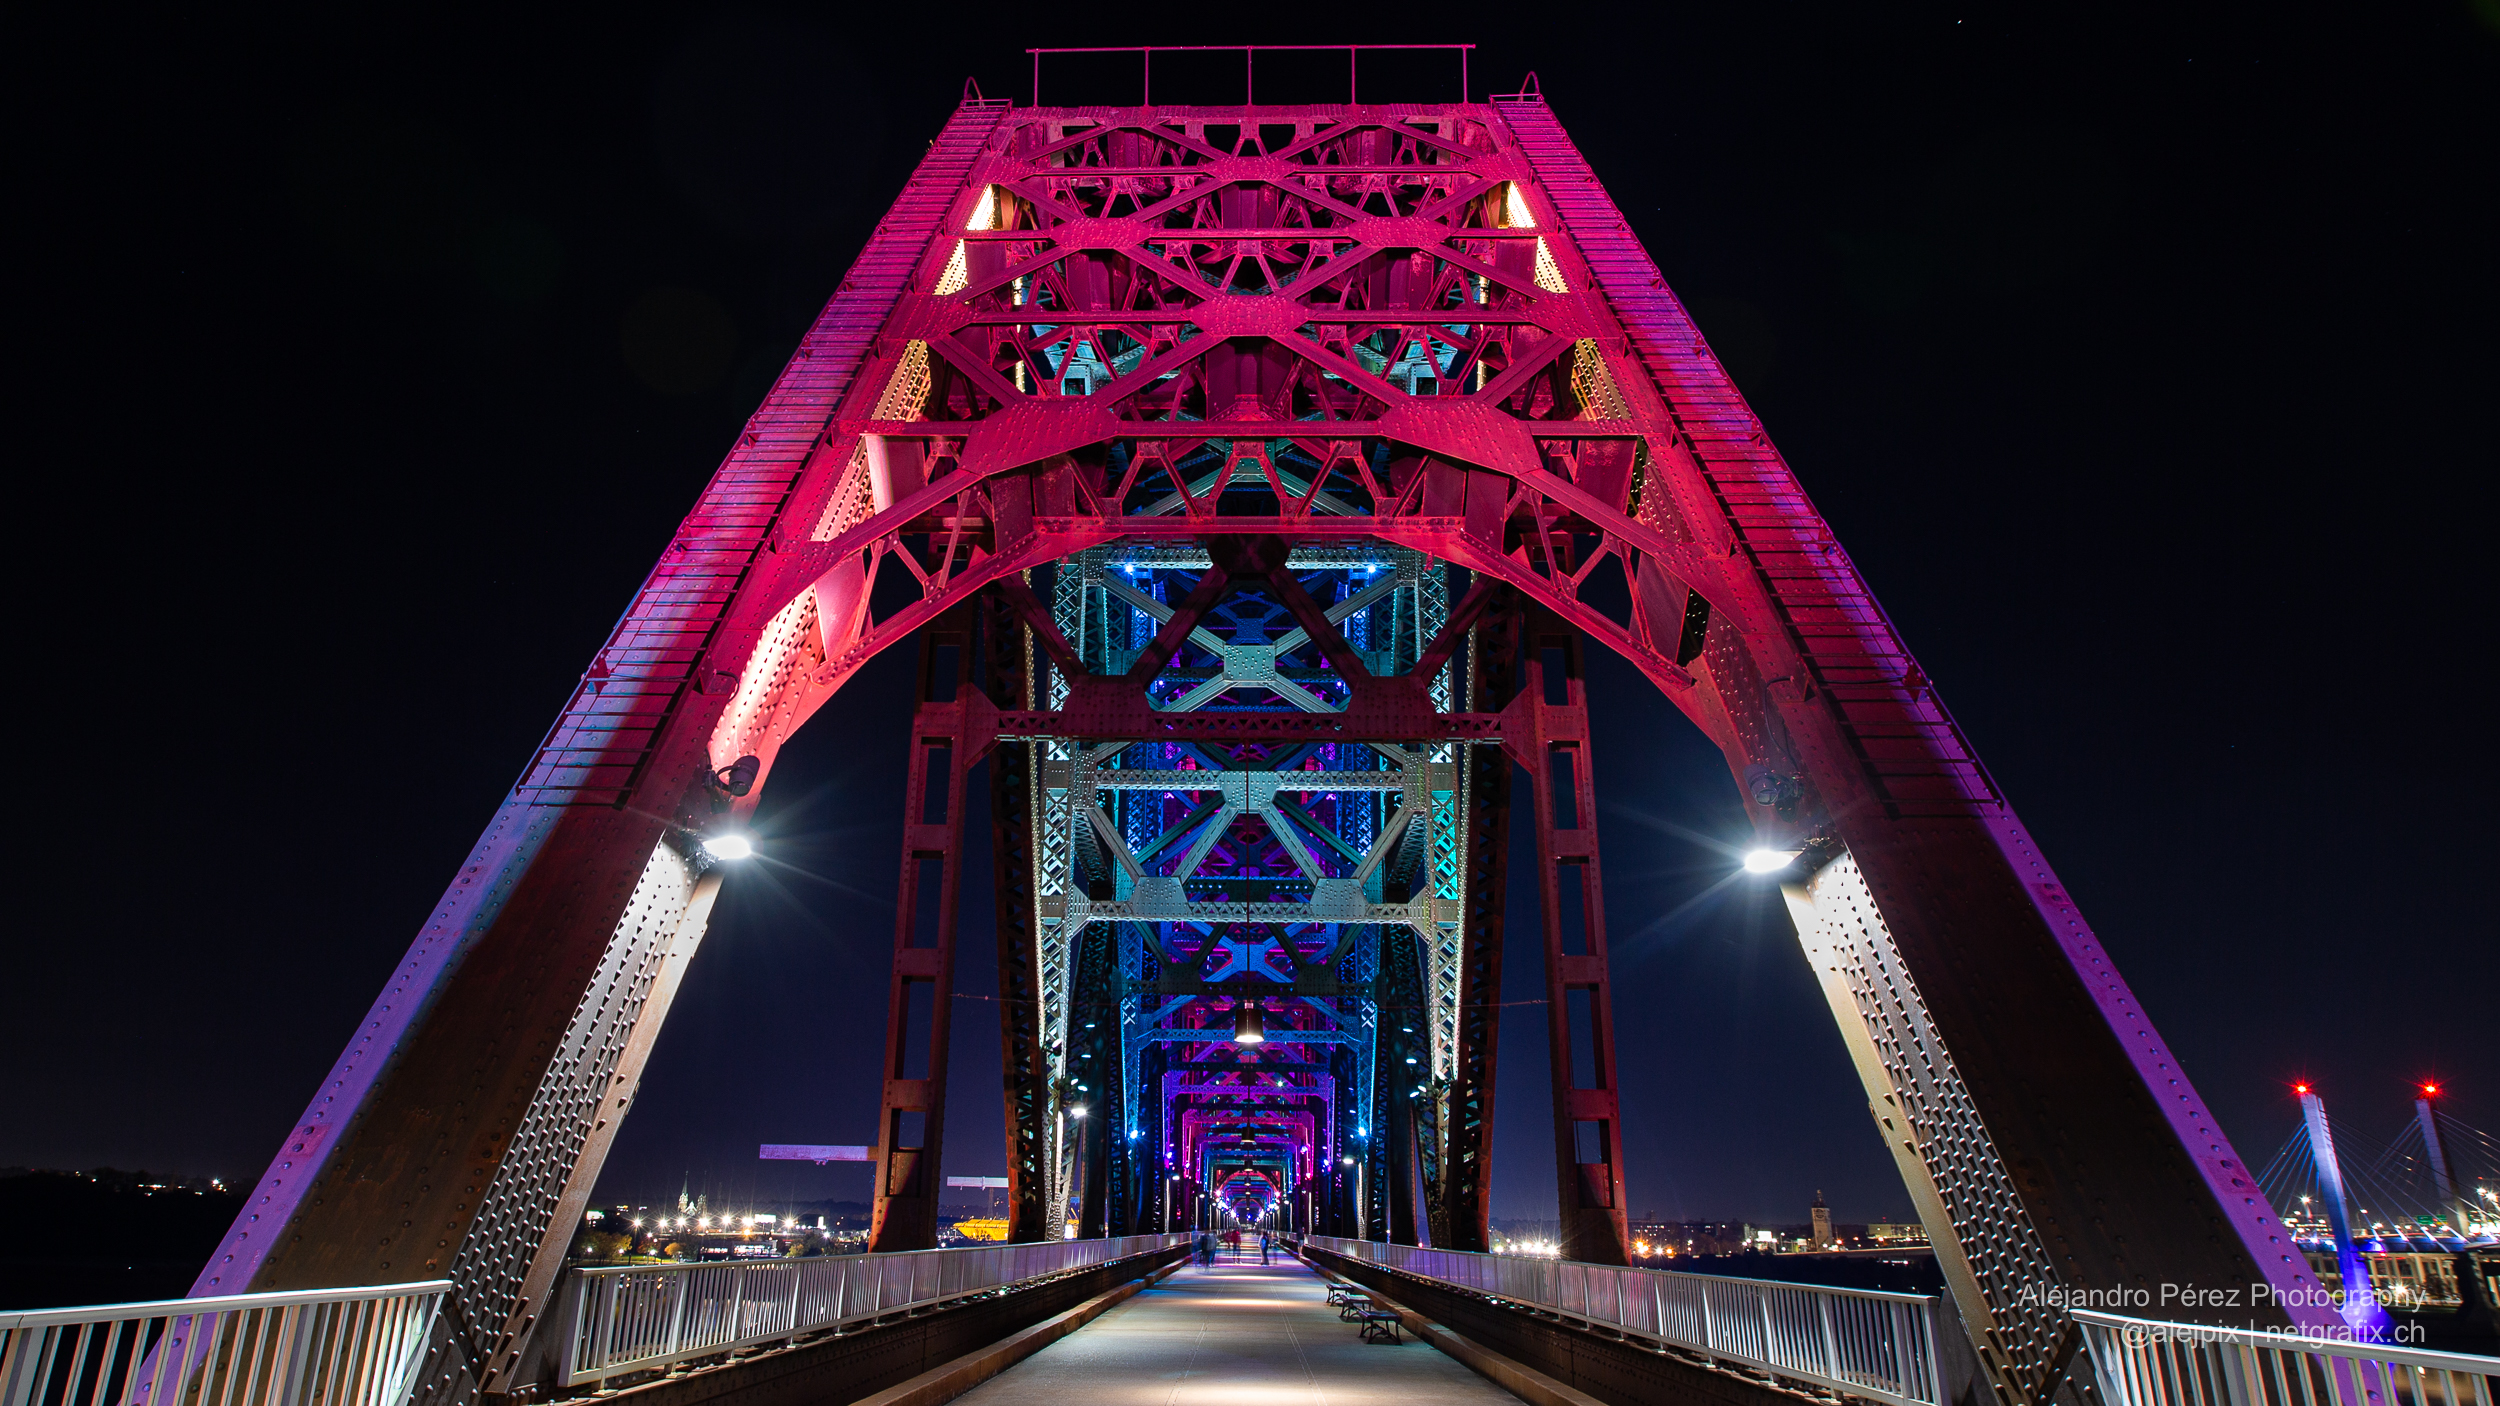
column 1926, row 1322
column 289, row 1357
column 676, row 1339
column 1831, row 1340
column 571, row 1362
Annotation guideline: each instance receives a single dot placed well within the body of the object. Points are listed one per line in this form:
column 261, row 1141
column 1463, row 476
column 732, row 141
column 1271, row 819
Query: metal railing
column 2142, row 1362
column 1862, row 1342
column 1249, row 59
column 631, row 1318
column 323, row 1347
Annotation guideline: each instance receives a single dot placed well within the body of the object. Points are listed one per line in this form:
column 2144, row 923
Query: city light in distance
column 730, row 846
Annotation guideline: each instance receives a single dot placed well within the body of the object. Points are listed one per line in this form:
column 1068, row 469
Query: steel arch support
column 1550, row 741
column 468, row 1118
column 949, row 735
column 2116, row 1174
column 924, row 428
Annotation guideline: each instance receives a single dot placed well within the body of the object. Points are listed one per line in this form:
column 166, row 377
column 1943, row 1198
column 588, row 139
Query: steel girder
column 1467, row 1166
column 1154, row 835
column 1548, row 737
column 461, row 1131
column 948, row 736
column 1024, row 1057
column 1123, row 293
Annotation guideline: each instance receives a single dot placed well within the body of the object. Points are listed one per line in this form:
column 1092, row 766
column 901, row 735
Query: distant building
column 1668, row 1239
column 1822, row 1235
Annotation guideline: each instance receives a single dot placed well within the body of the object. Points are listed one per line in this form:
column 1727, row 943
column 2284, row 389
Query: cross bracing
column 1245, row 870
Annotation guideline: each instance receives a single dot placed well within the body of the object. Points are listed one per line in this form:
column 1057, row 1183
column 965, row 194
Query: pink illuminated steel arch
column 1257, row 277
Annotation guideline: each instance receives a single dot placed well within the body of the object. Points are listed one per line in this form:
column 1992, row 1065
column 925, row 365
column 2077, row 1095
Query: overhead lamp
column 1769, row 861
column 1249, row 1024
column 728, row 846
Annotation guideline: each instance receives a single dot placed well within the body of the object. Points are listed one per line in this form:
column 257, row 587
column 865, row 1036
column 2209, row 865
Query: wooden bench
column 1379, row 1325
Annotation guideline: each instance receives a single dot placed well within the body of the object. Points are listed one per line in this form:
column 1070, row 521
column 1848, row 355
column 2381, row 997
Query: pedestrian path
column 1233, row 1334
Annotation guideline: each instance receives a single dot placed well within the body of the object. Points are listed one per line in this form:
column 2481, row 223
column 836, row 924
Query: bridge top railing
column 632, row 1318
column 1249, row 62
column 2145, row 1362
column 321, row 1347
column 1861, row 1342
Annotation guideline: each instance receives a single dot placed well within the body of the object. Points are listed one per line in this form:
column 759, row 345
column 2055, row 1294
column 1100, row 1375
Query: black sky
column 2145, row 360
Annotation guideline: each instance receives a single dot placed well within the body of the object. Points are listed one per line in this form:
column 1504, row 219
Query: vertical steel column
column 1094, row 1111
column 1467, row 1171
column 907, row 1174
column 1400, row 1062
column 1024, row 1063
column 1552, row 741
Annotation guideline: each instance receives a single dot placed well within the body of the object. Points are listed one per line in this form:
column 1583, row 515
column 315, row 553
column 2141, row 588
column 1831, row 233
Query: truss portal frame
column 1421, row 325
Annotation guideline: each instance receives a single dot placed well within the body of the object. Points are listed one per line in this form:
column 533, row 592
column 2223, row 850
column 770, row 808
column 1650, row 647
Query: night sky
column 2145, row 361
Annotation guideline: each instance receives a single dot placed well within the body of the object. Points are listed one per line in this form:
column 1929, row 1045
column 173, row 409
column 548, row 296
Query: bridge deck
column 1228, row 1334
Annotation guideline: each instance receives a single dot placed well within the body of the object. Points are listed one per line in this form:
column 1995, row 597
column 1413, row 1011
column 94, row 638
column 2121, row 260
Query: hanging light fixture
column 1249, row 1024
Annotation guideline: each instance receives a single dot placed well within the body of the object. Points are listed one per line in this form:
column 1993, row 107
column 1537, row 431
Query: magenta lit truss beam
column 1237, row 331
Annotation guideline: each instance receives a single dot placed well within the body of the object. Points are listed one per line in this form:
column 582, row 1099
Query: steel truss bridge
column 1251, row 481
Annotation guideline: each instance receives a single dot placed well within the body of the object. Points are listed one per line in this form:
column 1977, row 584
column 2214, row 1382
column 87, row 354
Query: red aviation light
column 2300, row 1088
column 2430, row 1090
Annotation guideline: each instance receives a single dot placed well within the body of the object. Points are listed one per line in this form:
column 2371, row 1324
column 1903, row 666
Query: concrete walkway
column 1233, row 1335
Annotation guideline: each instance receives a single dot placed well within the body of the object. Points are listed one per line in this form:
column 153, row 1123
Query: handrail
column 334, row 1347
column 632, row 1318
column 2146, row 1362
column 1249, row 59
column 1863, row 1342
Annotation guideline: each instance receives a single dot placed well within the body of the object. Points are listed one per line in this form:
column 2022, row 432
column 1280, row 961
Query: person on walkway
column 1206, row 1247
column 1262, row 1247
